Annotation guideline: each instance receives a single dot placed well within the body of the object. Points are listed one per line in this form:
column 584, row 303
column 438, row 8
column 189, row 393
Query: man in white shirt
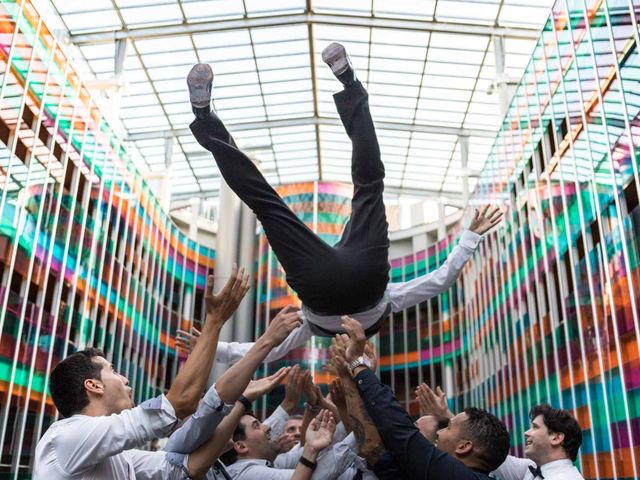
column 255, row 456
column 352, row 276
column 102, row 428
column 551, row 447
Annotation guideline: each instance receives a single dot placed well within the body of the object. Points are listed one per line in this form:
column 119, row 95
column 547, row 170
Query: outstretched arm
column 368, row 439
column 403, row 295
column 417, row 455
column 231, row 352
column 202, row 458
column 233, row 382
column 187, row 388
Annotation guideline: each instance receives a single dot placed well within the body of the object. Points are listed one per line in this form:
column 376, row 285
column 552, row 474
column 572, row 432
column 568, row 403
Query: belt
column 369, row 332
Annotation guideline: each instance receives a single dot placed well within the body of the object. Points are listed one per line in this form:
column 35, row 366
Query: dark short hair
column 558, row 420
column 239, row 434
column 67, row 381
column 490, row 437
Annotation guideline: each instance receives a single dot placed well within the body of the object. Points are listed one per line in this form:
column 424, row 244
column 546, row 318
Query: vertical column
column 118, row 67
column 442, row 226
column 463, row 140
column 165, row 194
column 193, row 221
column 243, row 327
column 501, row 82
column 226, row 255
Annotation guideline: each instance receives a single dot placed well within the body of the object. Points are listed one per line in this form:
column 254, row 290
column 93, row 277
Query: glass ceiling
column 428, row 66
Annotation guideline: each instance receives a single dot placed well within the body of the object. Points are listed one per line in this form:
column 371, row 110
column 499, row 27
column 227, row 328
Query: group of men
column 359, row 430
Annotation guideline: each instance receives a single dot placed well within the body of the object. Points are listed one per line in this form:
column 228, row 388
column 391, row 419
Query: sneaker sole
column 335, row 56
column 199, row 81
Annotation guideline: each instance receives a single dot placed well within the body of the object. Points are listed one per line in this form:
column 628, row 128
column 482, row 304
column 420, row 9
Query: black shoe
column 336, row 57
column 199, row 81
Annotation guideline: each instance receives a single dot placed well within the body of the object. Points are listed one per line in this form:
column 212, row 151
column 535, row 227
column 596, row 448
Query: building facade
column 547, row 311
column 87, row 256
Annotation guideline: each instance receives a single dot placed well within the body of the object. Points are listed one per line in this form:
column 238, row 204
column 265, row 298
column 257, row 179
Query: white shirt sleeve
column 335, row 459
column 289, row 459
column 332, row 461
column 90, row 440
column 156, row 465
column 200, row 426
column 513, row 468
column 231, row 352
column 262, row 472
column 277, row 421
column 407, row 294
column 341, row 433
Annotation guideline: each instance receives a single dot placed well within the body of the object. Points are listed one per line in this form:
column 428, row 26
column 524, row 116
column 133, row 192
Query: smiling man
column 255, row 456
column 474, row 442
column 551, row 445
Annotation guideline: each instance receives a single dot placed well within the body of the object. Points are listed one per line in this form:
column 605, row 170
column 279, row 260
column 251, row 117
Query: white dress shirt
column 397, row 297
column 277, row 421
column 361, row 465
column 332, row 462
column 515, row 468
column 86, row 447
column 200, row 426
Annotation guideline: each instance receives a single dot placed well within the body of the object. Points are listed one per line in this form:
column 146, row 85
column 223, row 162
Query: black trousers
column 349, row 277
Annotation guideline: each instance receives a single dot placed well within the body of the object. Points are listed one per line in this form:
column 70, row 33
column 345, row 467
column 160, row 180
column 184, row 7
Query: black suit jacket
column 418, row 458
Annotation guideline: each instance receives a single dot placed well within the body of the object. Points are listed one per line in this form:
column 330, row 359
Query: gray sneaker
column 199, row 81
column 336, row 57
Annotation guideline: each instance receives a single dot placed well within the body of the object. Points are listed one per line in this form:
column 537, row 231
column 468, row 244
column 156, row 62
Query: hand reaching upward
column 485, row 219
column 221, row 306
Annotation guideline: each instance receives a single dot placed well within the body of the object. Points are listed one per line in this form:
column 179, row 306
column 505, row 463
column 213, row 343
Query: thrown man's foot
column 336, row 57
column 199, row 82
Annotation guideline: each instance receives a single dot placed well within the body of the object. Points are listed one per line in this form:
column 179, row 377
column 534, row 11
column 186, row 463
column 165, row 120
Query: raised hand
column 185, row 341
column 339, row 356
column 433, row 403
column 293, row 389
column 262, row 386
column 309, row 389
column 339, row 398
column 336, row 390
column 286, row 441
column 287, row 320
column 221, row 306
column 485, row 219
column 357, row 338
column 327, row 404
column 320, row 432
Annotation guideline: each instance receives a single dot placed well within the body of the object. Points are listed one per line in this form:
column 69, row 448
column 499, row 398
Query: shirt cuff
column 214, row 402
column 469, row 239
column 365, row 378
column 181, row 461
column 159, row 415
column 167, row 406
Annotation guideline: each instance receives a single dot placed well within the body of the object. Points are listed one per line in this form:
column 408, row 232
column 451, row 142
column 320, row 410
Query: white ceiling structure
column 429, row 66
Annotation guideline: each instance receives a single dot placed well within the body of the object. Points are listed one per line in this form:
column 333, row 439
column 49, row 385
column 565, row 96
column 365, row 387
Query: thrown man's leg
column 295, row 245
column 365, row 237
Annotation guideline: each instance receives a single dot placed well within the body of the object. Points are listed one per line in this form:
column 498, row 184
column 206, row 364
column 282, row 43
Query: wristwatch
column 361, row 360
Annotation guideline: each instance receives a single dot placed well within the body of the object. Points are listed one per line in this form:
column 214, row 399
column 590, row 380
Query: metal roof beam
column 322, row 121
column 447, row 198
column 166, row 31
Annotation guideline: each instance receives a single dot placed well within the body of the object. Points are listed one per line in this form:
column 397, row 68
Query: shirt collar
column 556, row 464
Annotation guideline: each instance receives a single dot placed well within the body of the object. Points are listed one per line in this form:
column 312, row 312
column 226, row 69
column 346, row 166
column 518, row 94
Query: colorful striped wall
column 547, row 311
column 87, row 255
